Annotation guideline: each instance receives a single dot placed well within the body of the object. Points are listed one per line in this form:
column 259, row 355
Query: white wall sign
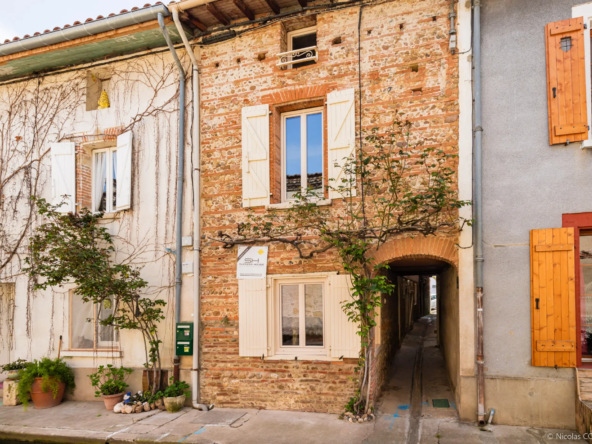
column 251, row 262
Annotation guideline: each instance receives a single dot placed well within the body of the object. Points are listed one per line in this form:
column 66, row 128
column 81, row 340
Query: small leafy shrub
column 175, row 389
column 19, row 364
column 53, row 371
column 109, row 380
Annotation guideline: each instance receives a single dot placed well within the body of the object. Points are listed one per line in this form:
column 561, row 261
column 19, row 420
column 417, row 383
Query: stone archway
column 432, row 247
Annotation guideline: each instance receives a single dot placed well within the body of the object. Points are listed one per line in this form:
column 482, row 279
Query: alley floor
column 405, row 415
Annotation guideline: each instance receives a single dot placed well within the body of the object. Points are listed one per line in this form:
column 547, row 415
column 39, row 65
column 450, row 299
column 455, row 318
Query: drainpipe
column 180, row 166
column 478, row 208
column 196, row 212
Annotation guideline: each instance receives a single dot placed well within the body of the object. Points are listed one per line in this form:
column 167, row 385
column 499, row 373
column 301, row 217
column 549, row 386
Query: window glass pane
column 314, row 152
column 313, row 300
column 290, row 315
column 586, row 292
column 293, row 159
column 107, row 335
column 114, row 159
column 100, row 181
column 82, row 331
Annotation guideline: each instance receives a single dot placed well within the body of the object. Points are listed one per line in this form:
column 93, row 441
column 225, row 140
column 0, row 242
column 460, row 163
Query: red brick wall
column 429, row 97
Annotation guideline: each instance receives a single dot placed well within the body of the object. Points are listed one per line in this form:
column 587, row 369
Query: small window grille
column 566, row 44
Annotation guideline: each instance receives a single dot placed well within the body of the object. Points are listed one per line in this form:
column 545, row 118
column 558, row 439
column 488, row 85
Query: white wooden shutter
column 63, row 175
column 341, row 144
column 124, row 171
column 344, row 339
column 255, row 138
column 252, row 317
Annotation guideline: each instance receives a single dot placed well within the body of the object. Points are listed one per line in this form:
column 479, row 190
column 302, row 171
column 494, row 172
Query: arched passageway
column 417, row 344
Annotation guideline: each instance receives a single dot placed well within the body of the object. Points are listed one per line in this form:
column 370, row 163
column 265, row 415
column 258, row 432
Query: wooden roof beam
column 303, row 3
column 187, row 18
column 244, row 9
column 217, row 14
column 273, row 6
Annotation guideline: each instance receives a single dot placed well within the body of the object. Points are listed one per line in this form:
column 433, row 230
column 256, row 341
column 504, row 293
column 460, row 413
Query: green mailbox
column 184, row 339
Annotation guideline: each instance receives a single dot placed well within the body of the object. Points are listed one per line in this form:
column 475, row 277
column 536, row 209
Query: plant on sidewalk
column 109, row 380
column 74, row 248
column 19, row 364
column 393, row 187
column 52, row 372
column 175, row 388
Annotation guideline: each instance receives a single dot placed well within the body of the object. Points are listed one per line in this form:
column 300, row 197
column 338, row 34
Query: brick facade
column 406, row 67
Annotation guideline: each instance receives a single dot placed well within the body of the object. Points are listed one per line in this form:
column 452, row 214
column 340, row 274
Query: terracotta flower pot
column 112, row 400
column 45, row 400
column 175, row 404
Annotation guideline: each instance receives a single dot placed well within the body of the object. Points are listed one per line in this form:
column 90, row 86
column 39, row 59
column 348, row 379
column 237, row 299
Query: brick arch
column 433, row 247
column 295, row 93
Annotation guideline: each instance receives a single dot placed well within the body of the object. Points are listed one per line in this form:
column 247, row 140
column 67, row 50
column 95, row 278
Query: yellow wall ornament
column 104, row 100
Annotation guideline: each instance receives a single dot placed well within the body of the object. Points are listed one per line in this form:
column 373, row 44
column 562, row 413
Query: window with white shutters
column 341, row 143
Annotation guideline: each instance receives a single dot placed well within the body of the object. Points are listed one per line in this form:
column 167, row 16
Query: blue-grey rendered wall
column 527, row 184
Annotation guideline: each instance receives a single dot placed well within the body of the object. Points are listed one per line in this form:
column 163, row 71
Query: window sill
column 290, row 204
column 92, row 353
column 300, row 358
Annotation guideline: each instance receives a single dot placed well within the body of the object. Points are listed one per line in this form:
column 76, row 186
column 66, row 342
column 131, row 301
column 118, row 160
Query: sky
column 27, row 17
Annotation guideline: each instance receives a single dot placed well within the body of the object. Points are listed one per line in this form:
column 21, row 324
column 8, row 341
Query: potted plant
column 109, row 383
column 13, row 368
column 174, row 395
column 45, row 381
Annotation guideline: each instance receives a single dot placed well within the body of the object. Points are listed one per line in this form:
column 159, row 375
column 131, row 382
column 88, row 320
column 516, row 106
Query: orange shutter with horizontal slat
column 553, row 297
column 566, row 81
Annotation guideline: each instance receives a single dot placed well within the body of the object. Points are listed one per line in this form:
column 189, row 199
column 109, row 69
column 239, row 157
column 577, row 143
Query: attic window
column 97, row 91
column 302, row 48
column 566, row 44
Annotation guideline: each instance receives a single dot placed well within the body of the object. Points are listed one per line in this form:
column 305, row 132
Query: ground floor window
column 86, row 332
column 585, row 271
column 300, row 316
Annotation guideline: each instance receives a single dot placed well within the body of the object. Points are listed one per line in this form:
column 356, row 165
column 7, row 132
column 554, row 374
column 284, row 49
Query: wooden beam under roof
column 244, row 9
column 273, row 5
column 217, row 14
column 303, row 3
column 187, row 18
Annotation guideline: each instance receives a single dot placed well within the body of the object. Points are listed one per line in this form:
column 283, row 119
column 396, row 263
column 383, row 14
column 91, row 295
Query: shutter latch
column 537, row 303
column 554, row 92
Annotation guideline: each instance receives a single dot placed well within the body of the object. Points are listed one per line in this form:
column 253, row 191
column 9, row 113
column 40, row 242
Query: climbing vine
column 395, row 187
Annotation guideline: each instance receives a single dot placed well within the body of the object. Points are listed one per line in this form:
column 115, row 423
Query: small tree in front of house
column 397, row 186
column 75, row 249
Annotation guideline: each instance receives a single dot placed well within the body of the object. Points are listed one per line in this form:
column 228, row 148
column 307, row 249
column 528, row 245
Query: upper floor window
column 302, row 140
column 104, row 180
column 302, row 48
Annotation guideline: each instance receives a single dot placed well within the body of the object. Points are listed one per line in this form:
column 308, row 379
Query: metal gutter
column 478, row 209
column 196, row 212
column 180, row 167
column 84, row 30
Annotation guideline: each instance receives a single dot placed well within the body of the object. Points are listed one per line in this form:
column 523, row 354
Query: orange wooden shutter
column 566, row 81
column 553, row 297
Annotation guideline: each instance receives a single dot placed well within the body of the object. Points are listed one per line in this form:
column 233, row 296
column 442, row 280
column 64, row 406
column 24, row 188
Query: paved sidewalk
column 89, row 422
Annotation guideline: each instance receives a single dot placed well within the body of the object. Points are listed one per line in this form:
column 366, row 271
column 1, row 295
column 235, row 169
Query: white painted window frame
column 109, row 202
column 114, row 345
column 301, row 350
column 585, row 11
column 303, row 148
column 299, row 32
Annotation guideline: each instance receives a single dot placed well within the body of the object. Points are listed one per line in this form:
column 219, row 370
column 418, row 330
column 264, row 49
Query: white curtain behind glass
column 99, row 179
column 82, row 331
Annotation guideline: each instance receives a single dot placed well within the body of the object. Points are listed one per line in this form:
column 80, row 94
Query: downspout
column 180, row 166
column 196, row 212
column 478, row 210
column 452, row 32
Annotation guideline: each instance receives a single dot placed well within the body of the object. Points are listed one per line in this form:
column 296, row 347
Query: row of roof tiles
column 57, row 28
